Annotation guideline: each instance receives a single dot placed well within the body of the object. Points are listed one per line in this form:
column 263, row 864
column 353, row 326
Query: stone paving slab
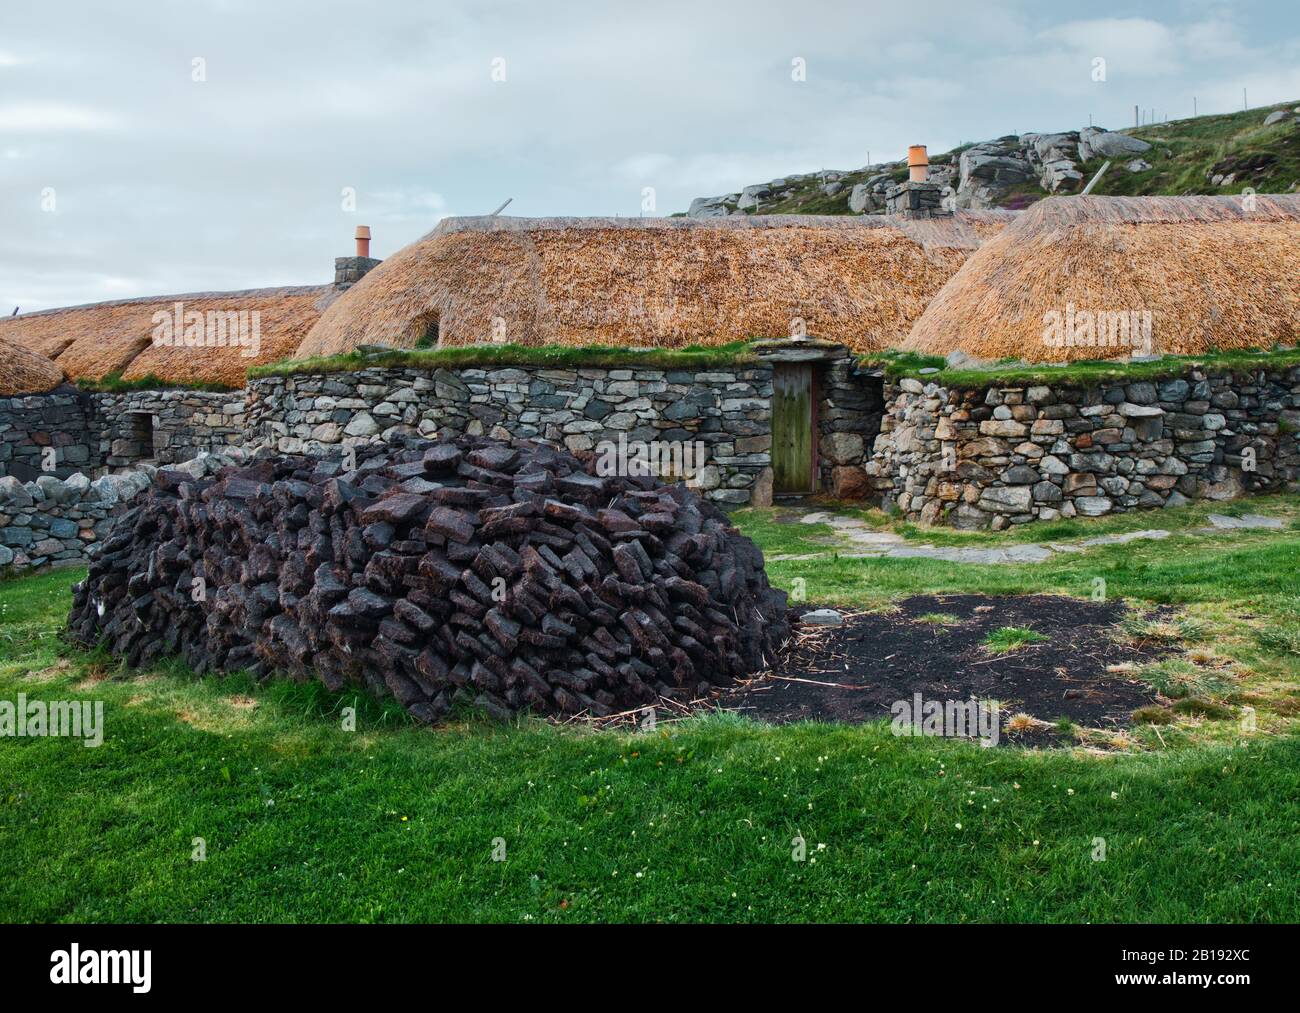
column 873, row 544
column 1222, row 521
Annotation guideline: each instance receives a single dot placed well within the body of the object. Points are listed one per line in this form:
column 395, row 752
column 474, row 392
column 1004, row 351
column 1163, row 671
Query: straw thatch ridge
column 660, row 282
column 1085, row 277
column 98, row 339
column 23, row 371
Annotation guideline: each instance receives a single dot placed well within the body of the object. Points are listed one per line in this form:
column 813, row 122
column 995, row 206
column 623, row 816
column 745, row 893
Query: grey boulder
column 1095, row 142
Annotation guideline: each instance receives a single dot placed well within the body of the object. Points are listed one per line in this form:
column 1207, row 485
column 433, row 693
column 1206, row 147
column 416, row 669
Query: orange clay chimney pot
column 918, row 163
column 363, row 240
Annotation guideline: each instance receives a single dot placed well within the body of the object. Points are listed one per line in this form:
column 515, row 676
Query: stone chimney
column 918, row 197
column 350, row 270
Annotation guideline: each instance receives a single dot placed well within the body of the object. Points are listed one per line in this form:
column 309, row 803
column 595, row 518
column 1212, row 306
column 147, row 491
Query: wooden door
column 792, row 429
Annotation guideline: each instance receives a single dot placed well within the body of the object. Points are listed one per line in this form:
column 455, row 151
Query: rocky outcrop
column 1094, row 142
column 714, row 207
column 984, row 175
column 988, row 170
column 861, row 196
column 1055, row 157
column 1286, row 115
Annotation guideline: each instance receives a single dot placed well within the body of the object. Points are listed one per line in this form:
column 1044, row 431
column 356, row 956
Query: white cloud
column 42, row 117
column 1134, row 47
column 1217, row 39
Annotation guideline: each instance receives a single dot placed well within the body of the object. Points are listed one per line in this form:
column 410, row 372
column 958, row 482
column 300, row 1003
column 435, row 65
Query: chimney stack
column 917, row 197
column 918, row 164
column 350, row 270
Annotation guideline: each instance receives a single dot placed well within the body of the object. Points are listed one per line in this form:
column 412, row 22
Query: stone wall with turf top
column 727, row 410
column 993, row 456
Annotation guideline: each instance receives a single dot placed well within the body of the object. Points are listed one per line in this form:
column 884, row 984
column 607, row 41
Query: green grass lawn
column 304, row 820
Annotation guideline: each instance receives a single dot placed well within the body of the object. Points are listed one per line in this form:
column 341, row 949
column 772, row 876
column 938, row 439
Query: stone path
column 868, row 543
column 1245, row 521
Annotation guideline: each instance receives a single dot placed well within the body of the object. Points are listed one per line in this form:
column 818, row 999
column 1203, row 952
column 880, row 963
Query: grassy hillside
column 1186, row 154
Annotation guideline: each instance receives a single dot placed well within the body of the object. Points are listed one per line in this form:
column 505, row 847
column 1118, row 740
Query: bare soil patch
column 857, row 671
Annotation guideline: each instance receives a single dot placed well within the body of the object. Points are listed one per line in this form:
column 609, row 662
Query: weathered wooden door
column 792, row 429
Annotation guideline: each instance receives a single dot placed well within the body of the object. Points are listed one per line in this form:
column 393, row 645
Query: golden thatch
column 119, row 337
column 664, row 282
column 1092, row 277
column 23, row 371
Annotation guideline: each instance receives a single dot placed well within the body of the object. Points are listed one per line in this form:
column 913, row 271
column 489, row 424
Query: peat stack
column 467, row 569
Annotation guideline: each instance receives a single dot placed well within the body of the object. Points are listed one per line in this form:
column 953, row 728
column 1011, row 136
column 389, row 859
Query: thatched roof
column 95, row 340
column 664, row 282
column 23, row 371
column 1210, row 272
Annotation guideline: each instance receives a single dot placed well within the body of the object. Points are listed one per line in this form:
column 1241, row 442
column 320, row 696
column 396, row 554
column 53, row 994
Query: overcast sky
column 150, row 148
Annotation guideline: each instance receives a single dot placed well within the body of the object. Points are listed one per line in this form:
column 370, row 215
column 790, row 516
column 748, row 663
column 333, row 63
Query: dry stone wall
column 31, row 425
column 726, row 411
column 94, row 433
column 185, row 423
column 997, row 456
column 723, row 415
column 53, row 521
column 848, row 419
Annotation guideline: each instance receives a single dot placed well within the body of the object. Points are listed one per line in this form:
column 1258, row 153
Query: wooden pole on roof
column 1096, row 179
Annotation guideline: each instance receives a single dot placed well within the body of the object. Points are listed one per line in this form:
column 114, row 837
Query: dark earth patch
column 877, row 658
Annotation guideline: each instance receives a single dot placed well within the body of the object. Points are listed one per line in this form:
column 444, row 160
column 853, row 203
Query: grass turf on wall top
column 897, row 365
column 112, row 383
column 499, row 356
